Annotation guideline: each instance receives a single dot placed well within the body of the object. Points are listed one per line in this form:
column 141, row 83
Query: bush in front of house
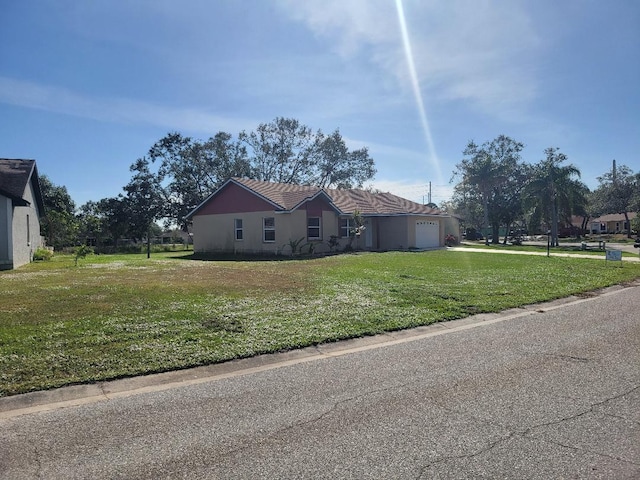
column 42, row 254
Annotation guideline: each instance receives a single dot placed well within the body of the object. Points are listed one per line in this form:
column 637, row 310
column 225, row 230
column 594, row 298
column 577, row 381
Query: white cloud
column 117, row 110
column 476, row 51
column 414, row 191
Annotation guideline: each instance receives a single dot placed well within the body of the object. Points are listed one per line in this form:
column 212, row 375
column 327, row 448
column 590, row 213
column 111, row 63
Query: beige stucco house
column 251, row 216
column 611, row 223
column 20, row 210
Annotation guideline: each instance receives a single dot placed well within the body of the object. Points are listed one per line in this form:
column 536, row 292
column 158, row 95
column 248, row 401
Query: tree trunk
column 485, row 220
column 495, row 233
column 585, row 223
column 626, row 218
column 506, row 234
column 554, row 225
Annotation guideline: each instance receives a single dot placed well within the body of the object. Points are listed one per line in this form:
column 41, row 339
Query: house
column 252, row 216
column 172, row 237
column 20, row 209
column 611, row 223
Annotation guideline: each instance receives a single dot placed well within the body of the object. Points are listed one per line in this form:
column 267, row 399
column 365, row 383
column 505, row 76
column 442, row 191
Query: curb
column 76, row 395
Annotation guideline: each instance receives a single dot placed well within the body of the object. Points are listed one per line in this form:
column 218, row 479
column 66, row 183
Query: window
column 28, row 231
column 269, row 229
column 313, row 228
column 238, row 228
column 346, row 225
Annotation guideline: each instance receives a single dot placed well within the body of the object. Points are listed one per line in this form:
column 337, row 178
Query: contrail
column 416, row 89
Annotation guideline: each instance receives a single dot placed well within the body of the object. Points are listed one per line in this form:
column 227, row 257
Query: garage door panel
column 427, row 233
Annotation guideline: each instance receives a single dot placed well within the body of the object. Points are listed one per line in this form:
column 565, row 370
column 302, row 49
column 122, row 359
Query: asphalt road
column 552, row 391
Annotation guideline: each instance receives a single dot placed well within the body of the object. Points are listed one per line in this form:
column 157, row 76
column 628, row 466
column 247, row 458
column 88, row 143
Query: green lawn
column 115, row 316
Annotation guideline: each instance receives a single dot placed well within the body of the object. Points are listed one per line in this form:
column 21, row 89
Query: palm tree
column 554, row 190
column 484, row 169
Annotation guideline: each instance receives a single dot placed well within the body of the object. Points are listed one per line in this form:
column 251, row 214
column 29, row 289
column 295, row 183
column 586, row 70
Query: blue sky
column 86, row 87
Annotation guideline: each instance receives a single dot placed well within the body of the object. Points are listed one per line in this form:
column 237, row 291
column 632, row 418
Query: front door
column 368, row 233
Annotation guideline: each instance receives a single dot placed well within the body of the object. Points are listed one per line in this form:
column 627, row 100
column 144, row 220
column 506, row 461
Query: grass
column 123, row 315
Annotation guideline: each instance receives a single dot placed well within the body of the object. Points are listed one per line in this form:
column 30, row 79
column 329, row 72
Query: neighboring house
column 20, row 210
column 612, row 223
column 251, row 216
column 172, row 237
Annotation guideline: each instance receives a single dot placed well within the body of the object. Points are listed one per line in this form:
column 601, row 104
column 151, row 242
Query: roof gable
column 15, row 176
column 233, row 197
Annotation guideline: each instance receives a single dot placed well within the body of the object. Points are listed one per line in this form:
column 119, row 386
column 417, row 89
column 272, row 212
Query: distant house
column 611, row 223
column 251, row 216
column 20, row 209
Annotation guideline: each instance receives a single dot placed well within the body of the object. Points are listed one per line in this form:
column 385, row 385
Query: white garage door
column 427, row 234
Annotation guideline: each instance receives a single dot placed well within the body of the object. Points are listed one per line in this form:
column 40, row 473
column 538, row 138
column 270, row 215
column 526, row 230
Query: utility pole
column 429, row 193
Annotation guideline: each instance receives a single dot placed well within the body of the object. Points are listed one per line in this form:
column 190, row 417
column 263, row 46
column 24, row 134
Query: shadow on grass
column 256, row 257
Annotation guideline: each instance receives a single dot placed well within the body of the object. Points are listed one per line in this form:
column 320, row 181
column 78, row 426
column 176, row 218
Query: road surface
column 551, row 391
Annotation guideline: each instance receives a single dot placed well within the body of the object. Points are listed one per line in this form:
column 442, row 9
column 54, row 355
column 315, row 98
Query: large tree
column 59, row 225
column 286, row 151
column 554, row 192
column 283, row 151
column 280, row 151
column 145, row 201
column 616, row 192
column 193, row 169
column 335, row 166
column 492, row 173
column 105, row 221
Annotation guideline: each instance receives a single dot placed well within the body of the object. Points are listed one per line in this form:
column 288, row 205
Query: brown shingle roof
column 15, row 175
column 288, row 197
column 613, row 217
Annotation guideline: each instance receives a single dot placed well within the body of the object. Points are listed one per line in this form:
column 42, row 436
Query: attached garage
column 427, row 234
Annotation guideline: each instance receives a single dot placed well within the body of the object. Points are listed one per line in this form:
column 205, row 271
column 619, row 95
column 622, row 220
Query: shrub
column 42, row 254
column 81, row 252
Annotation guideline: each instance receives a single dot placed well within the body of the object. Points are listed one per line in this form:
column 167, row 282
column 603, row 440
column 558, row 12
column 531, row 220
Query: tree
column 194, row 169
column 467, row 203
column 491, row 174
column 616, row 192
column 635, row 205
column 90, row 227
column 145, row 201
column 281, row 151
column 507, row 201
column 59, row 225
column 335, row 166
column 105, row 221
column 285, row 151
column 554, row 191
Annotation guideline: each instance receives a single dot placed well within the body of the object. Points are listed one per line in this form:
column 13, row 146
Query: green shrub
column 81, row 252
column 42, row 254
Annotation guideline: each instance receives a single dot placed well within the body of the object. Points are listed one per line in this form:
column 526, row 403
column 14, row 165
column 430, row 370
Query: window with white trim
column 239, row 235
column 314, row 228
column 346, row 226
column 269, row 229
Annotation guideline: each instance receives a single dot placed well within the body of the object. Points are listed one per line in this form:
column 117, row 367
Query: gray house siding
column 26, row 230
column 20, row 209
column 6, row 237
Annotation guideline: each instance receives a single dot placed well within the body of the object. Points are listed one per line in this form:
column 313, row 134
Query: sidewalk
column 542, row 254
